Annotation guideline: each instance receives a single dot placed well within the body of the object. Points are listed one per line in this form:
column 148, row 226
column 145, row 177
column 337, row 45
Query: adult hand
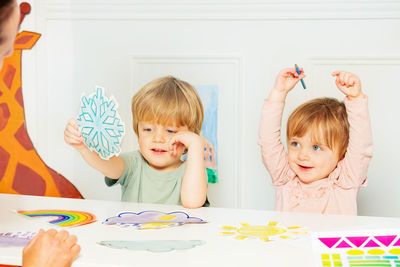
column 51, row 249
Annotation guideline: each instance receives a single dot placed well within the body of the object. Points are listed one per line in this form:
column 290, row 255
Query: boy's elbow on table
column 193, row 204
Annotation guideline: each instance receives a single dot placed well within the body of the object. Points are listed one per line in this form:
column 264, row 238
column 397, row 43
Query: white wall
column 239, row 46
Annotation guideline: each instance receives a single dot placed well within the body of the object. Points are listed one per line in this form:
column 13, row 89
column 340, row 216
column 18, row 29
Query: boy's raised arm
column 111, row 168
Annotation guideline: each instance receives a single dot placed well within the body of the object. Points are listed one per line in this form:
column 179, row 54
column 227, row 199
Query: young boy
column 167, row 119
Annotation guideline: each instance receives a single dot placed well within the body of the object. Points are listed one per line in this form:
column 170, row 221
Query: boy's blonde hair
column 168, row 101
column 326, row 118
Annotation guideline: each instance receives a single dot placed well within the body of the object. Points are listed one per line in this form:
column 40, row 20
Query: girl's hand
column 287, row 79
column 284, row 82
column 348, row 83
column 182, row 140
column 72, row 135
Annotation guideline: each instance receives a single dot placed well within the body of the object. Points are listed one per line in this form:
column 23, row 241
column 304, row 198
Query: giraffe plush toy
column 22, row 171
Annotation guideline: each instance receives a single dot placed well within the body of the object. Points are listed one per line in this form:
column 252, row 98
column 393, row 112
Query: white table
column 218, row 250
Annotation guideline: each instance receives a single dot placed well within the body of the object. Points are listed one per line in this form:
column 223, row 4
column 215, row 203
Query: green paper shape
column 212, row 176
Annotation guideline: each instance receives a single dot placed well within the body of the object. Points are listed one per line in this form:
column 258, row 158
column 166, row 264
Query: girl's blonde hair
column 168, row 101
column 326, row 118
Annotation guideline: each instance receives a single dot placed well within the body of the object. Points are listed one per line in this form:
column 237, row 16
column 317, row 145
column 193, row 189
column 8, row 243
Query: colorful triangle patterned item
column 357, row 240
column 386, row 239
column 397, row 243
column 329, row 241
column 371, row 244
column 343, row 244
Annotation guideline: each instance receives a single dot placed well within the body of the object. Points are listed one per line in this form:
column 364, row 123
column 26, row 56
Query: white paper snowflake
column 100, row 124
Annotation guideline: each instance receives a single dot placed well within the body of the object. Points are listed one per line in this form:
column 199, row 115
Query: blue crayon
column 299, row 72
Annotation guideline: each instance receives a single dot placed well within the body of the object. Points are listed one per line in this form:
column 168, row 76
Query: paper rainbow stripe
column 65, row 218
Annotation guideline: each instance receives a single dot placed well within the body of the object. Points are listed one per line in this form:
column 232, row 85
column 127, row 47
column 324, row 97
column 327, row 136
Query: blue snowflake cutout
column 100, row 124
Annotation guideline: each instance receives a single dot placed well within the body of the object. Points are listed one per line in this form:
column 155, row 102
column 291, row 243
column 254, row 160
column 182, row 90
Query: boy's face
column 310, row 161
column 8, row 31
column 154, row 145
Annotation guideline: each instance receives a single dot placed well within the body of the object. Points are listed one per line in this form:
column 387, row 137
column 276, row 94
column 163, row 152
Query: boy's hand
column 72, row 135
column 183, row 140
column 348, row 83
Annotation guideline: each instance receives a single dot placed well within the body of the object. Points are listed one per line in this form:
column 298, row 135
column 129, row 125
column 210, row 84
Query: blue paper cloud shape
column 153, row 245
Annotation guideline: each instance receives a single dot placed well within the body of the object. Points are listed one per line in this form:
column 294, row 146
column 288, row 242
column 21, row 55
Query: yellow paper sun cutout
column 270, row 232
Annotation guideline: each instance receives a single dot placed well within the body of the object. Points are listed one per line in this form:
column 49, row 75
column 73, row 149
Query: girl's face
column 8, row 31
column 310, row 161
column 154, row 145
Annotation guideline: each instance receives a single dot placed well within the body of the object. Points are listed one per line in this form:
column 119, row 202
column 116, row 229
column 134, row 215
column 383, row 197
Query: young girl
column 329, row 147
column 167, row 118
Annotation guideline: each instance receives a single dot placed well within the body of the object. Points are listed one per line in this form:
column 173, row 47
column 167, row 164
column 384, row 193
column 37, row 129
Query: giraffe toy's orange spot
column 9, row 76
column 22, row 137
column 35, row 185
column 23, row 39
column 18, row 97
column 4, row 158
column 4, row 115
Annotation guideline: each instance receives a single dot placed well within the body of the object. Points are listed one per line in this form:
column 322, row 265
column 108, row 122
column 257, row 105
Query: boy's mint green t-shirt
column 141, row 183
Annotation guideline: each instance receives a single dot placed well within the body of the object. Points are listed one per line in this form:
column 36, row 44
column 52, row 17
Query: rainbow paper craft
column 64, row 218
column 152, row 219
column 357, row 248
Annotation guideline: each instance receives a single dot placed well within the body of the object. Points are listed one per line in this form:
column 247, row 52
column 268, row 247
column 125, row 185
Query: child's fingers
column 293, row 72
column 337, row 72
column 171, row 144
column 289, row 73
column 72, row 139
column 174, row 150
column 346, row 78
column 338, row 83
column 73, row 123
column 73, row 130
column 340, row 76
column 343, row 76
